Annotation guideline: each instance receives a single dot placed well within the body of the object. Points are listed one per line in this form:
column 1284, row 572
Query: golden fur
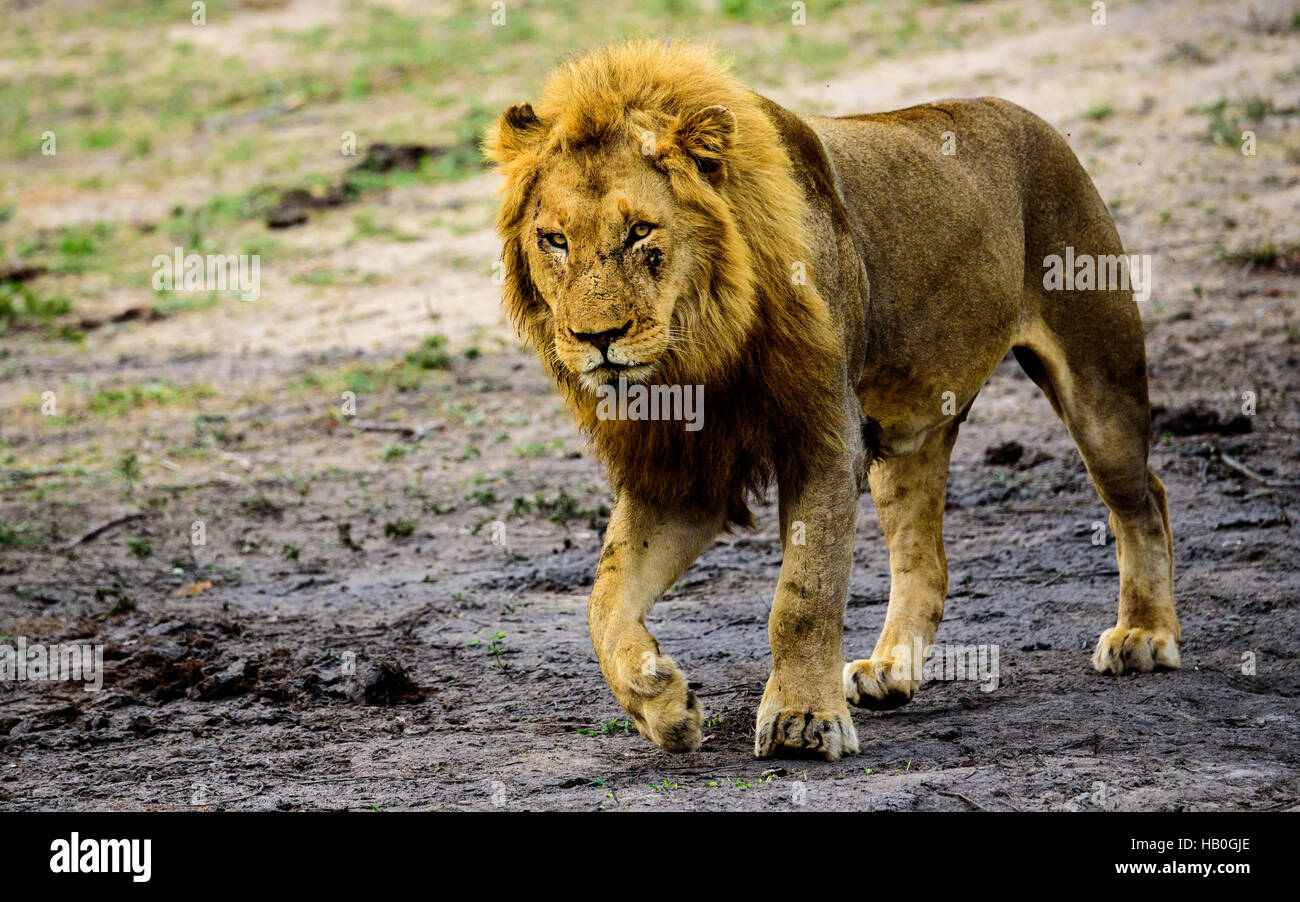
column 841, row 288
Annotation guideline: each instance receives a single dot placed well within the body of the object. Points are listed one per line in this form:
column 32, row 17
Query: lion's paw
column 806, row 734
column 1122, row 649
column 666, row 711
column 870, row 683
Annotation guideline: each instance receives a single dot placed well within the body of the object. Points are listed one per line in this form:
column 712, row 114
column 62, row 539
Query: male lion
column 842, row 288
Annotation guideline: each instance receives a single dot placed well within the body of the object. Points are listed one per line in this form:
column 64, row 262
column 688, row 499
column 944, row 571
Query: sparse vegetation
column 611, row 727
column 13, row 534
column 1266, row 254
column 495, row 647
column 23, row 307
column 399, row 529
column 1228, row 119
column 1099, row 111
column 431, row 355
column 128, row 467
column 113, row 403
column 261, row 506
column 345, row 537
column 560, row 509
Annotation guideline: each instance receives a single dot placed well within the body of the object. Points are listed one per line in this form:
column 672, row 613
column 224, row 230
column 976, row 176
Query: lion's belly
column 907, row 406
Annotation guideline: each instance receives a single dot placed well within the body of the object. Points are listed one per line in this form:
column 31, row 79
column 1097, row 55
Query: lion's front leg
column 645, row 552
column 804, row 711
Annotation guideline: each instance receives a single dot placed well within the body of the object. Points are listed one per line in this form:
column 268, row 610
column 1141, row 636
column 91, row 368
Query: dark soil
column 427, row 667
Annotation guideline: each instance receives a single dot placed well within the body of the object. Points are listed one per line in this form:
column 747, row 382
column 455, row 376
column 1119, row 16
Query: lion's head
column 614, row 256
column 620, row 218
column 649, row 214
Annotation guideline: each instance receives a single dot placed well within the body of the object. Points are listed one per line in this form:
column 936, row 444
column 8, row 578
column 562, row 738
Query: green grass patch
column 1099, row 111
column 22, row 306
column 14, row 534
column 120, row 401
column 71, row 249
column 1267, row 254
column 560, row 509
column 399, row 529
column 431, row 354
column 1229, row 118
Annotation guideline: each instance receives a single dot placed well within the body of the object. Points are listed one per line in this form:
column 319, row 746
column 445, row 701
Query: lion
column 841, row 287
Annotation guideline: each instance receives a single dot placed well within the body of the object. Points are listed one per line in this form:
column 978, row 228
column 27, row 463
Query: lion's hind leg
column 1082, row 342
column 1095, row 374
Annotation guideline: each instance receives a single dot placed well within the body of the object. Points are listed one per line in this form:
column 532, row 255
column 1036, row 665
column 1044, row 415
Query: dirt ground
column 387, row 610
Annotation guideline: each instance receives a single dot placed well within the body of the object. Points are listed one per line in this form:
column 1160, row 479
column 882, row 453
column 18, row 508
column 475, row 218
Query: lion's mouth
column 611, row 367
column 632, row 371
column 607, row 372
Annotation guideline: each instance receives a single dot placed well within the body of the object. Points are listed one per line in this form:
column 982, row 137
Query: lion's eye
column 555, row 239
column 639, row 231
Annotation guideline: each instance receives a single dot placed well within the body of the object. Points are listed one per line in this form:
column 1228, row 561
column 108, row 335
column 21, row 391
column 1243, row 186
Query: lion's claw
column 1123, row 649
column 870, row 683
column 666, row 711
column 806, row 734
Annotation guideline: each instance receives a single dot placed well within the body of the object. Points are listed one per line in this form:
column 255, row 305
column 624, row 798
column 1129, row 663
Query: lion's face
column 607, row 254
column 618, row 224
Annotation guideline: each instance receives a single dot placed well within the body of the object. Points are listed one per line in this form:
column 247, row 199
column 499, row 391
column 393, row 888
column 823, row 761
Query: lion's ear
column 707, row 136
column 518, row 131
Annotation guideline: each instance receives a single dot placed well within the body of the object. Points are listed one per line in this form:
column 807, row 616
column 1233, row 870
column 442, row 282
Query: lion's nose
column 602, row 340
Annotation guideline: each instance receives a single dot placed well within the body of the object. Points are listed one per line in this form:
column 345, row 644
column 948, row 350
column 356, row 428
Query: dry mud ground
column 331, row 546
